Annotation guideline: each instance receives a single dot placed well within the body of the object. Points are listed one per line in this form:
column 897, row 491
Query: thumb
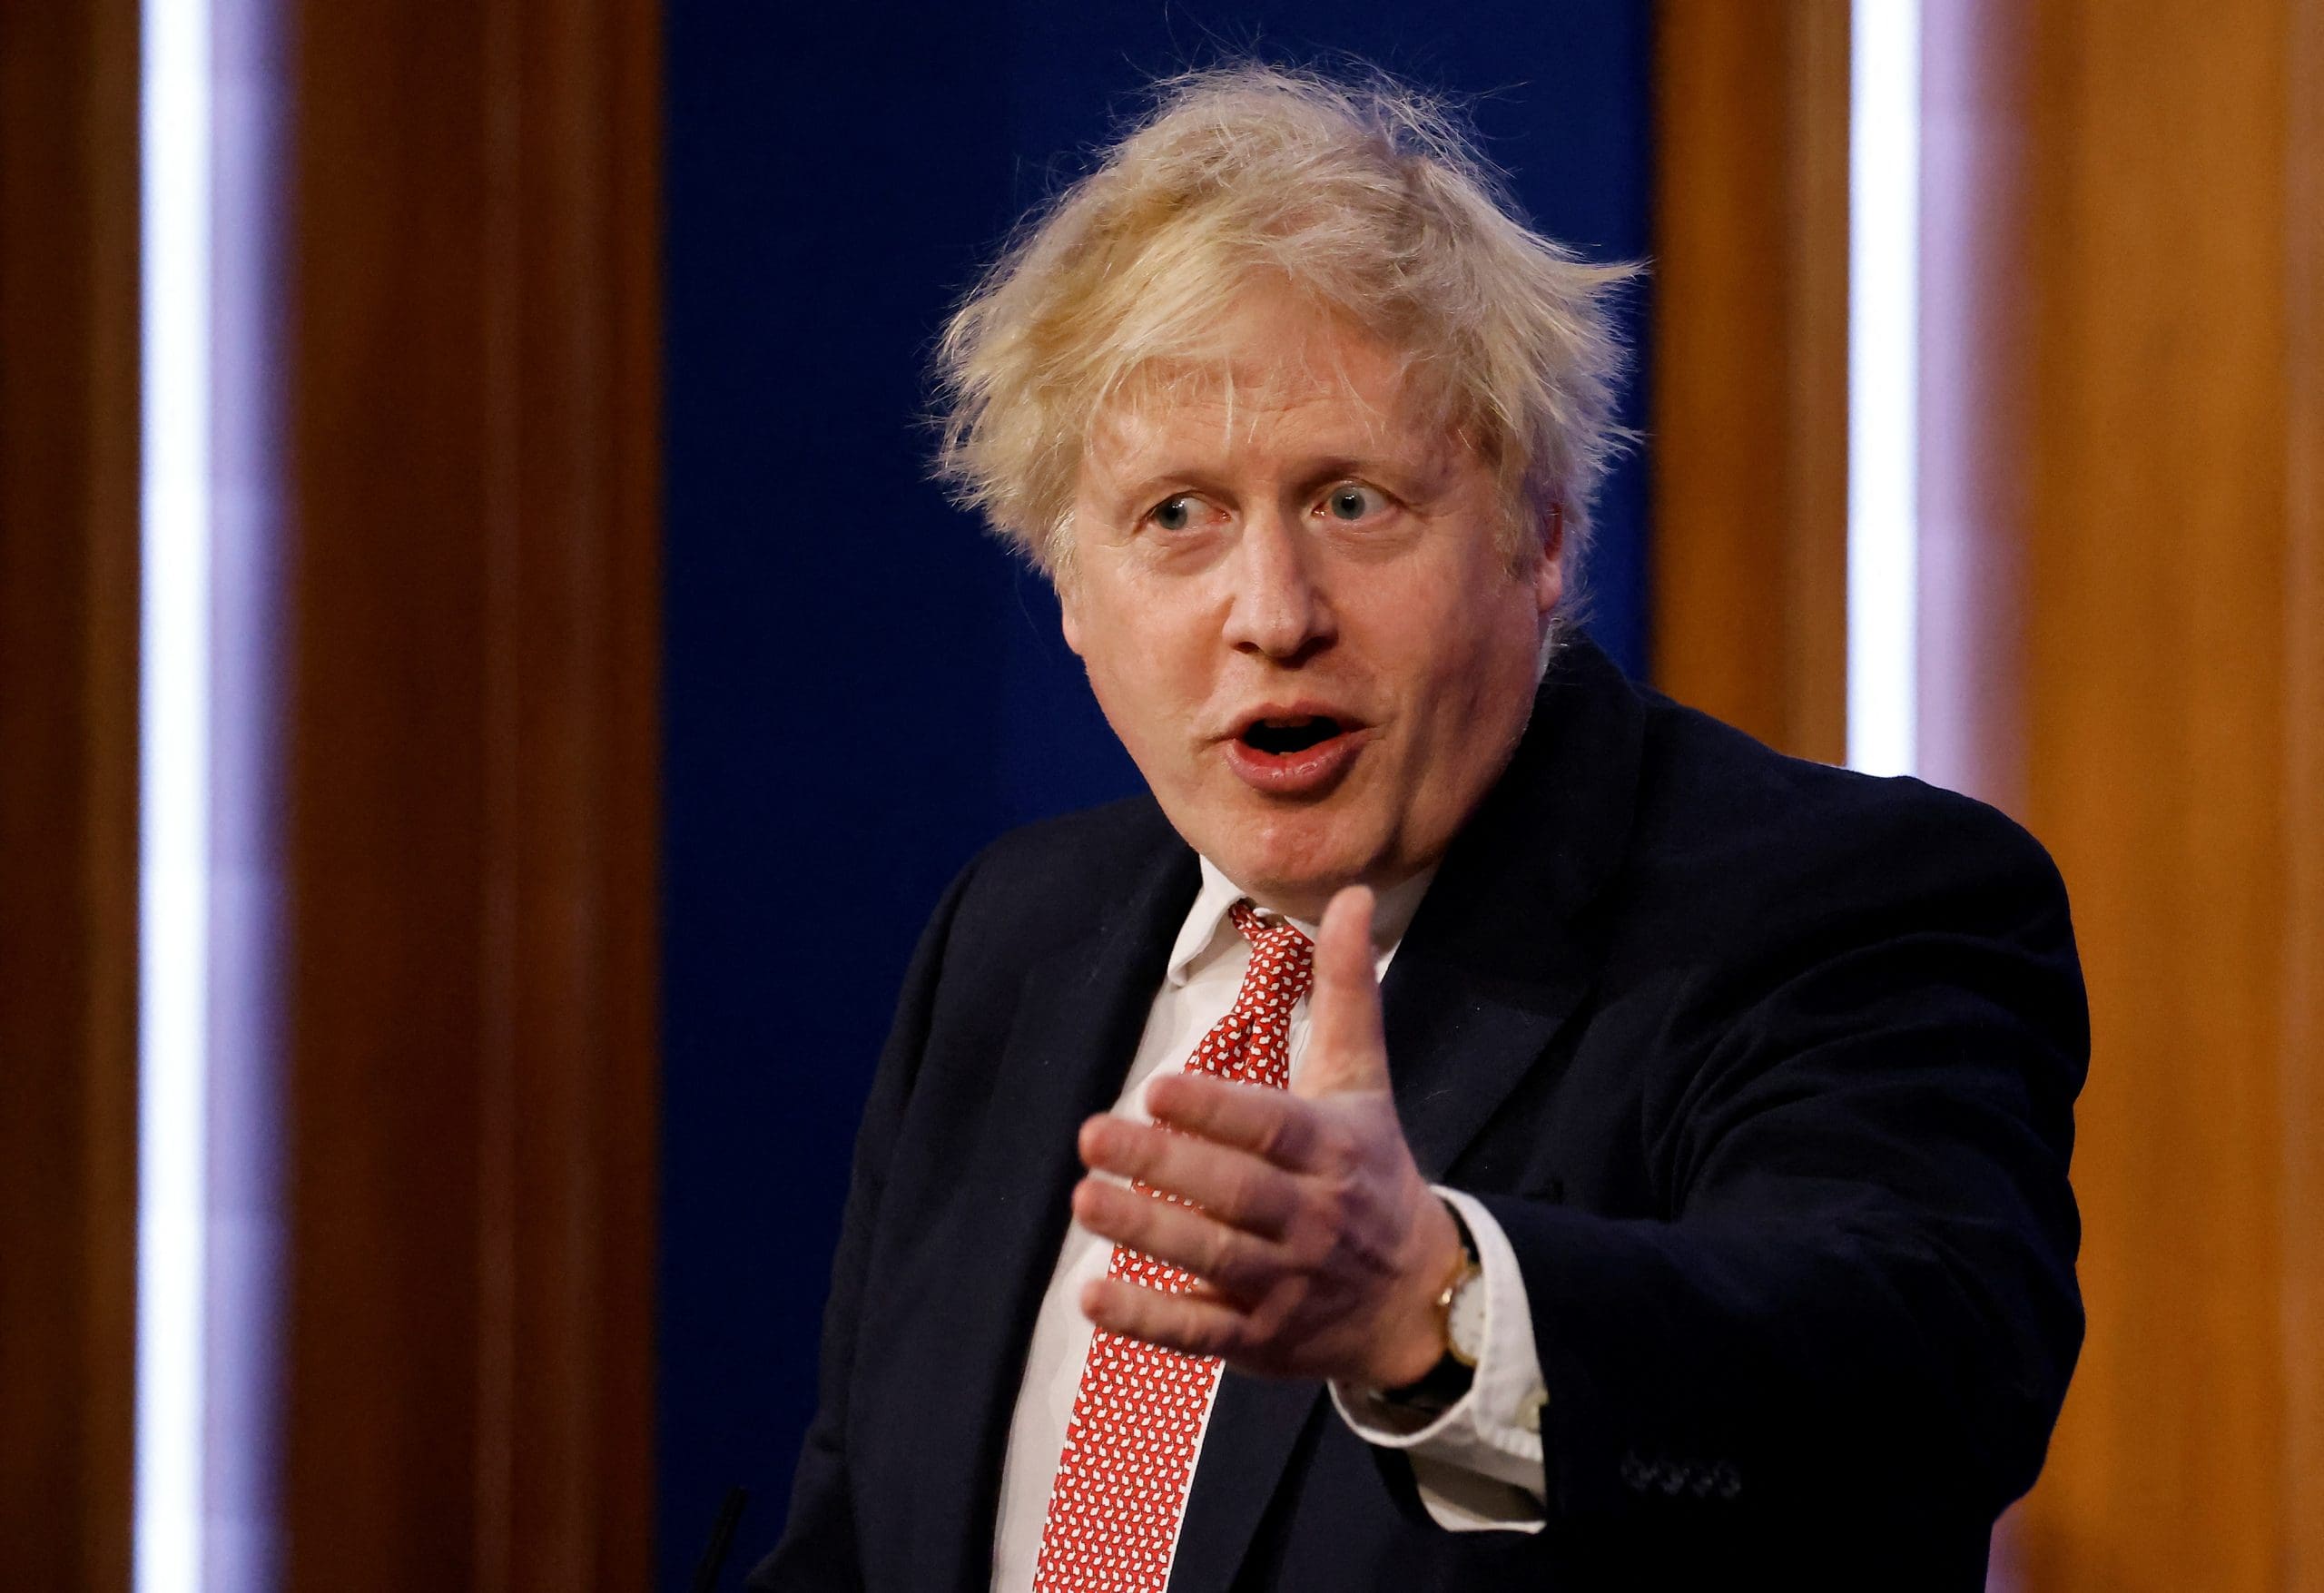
column 1345, row 1048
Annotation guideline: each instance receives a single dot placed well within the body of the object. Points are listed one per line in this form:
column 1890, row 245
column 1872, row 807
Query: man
column 1478, row 1124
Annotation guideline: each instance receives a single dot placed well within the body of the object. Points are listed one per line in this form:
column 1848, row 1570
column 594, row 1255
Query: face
column 1295, row 612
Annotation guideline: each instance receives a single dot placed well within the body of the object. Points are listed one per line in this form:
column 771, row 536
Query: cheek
column 1479, row 687
column 1459, row 631
column 1139, row 667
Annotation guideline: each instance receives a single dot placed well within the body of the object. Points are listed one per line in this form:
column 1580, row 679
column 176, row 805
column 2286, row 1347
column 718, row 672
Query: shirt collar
column 1206, row 919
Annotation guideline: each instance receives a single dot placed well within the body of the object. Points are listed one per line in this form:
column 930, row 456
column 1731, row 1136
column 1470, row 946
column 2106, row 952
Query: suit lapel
column 1499, row 957
column 1076, row 1026
column 1505, row 947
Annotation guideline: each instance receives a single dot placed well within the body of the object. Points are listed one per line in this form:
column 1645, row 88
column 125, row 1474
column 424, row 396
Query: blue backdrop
column 861, row 689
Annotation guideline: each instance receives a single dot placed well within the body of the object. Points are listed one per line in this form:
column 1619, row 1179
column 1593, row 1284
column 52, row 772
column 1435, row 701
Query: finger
column 1346, row 1049
column 1233, row 1184
column 1233, row 1262
column 1266, row 1122
column 1194, row 1324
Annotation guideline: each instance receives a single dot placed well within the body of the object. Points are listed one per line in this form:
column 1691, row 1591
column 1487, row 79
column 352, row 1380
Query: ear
column 1069, row 614
column 1548, row 574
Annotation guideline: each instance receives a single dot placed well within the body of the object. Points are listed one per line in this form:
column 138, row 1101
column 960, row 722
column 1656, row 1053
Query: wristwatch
column 1460, row 1308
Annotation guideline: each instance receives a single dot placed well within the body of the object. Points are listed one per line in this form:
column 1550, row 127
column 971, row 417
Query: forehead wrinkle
column 1162, row 411
column 1267, row 347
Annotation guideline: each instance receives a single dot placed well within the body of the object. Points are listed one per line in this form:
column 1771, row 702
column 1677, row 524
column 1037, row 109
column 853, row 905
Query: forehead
column 1270, row 377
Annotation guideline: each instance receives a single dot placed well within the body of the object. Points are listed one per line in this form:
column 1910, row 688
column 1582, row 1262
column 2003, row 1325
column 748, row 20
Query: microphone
column 713, row 1556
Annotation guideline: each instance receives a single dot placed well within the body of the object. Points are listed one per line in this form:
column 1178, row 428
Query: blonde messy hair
column 1366, row 199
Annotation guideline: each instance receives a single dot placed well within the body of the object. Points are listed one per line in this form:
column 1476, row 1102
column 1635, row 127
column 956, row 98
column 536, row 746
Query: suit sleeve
column 1860, row 1305
column 817, row 1551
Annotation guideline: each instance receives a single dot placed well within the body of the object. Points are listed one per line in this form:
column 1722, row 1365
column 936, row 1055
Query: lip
column 1307, row 772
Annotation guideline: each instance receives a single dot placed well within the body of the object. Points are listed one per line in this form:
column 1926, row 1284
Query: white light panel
column 1884, row 372
column 173, row 883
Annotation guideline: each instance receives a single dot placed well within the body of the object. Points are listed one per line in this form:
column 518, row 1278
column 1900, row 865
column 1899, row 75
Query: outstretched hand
column 1320, row 1248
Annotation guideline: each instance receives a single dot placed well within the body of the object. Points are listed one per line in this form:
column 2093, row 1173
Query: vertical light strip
column 174, row 884
column 1883, row 374
column 243, row 1240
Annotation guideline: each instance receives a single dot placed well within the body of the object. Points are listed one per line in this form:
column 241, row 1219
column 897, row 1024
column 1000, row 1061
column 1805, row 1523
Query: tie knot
column 1280, row 954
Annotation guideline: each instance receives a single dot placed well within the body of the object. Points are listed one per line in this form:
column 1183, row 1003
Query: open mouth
column 1290, row 753
column 1283, row 737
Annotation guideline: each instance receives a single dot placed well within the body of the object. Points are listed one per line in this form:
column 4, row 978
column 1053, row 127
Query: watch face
column 1464, row 1320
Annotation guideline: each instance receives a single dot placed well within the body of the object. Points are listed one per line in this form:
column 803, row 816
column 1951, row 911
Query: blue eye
column 1174, row 514
column 1353, row 501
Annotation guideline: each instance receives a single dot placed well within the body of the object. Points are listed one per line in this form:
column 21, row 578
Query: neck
column 1398, row 895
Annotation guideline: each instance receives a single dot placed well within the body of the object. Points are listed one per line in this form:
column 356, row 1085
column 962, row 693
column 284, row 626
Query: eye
column 1173, row 514
column 1351, row 501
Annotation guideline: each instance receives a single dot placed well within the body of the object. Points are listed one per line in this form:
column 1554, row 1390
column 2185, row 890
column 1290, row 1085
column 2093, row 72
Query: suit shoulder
column 1721, row 813
column 1117, row 836
column 1051, row 881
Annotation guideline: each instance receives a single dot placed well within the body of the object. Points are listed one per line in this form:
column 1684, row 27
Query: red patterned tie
column 1130, row 1449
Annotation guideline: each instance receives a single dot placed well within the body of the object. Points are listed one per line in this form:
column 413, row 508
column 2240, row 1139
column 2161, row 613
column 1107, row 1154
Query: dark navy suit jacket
column 1766, row 1070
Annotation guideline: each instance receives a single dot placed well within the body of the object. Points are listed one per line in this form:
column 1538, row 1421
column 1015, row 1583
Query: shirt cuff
column 1478, row 1465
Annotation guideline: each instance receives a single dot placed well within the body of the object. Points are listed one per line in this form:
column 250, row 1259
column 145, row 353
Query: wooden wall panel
column 2301, row 1054
column 1750, row 379
column 472, row 767
column 68, row 790
column 2120, row 347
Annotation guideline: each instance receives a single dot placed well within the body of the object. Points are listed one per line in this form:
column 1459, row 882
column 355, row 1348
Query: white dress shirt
column 1478, row 1466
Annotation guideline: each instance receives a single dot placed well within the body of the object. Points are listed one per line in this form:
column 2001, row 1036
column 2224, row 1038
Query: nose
column 1278, row 608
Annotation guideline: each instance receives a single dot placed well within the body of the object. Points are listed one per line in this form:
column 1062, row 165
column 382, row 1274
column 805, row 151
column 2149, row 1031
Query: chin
column 1296, row 863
